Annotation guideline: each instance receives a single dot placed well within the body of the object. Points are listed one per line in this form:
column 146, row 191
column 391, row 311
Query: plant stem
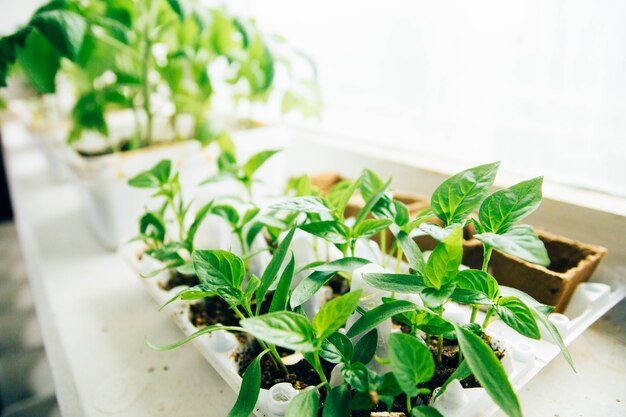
column 408, row 403
column 145, row 74
column 399, row 260
column 460, row 355
column 473, row 316
column 249, row 191
column 487, row 317
column 440, row 339
column 318, row 368
column 487, row 249
column 383, row 247
column 275, row 357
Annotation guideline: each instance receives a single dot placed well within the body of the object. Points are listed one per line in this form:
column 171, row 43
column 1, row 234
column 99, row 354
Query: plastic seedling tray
column 523, row 357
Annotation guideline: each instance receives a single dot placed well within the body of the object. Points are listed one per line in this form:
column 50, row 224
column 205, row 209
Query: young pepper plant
column 460, row 195
column 153, row 225
column 229, row 168
column 436, row 286
column 294, row 331
column 222, row 274
column 325, row 215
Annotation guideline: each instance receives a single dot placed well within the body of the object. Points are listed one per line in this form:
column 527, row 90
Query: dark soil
column 301, row 375
column 449, row 363
column 123, row 147
column 339, row 285
column 178, row 279
column 563, row 256
column 210, row 311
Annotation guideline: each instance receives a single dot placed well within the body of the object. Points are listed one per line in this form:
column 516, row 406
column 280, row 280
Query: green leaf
column 280, row 299
column 201, row 332
column 218, row 269
column 320, row 276
column 413, row 254
column 370, row 227
column 337, row 348
column 402, row 283
column 461, row 194
column 437, row 232
column 518, row 316
column 197, row 221
column 443, row 263
column 284, row 328
column 155, row 177
column 371, row 202
column 249, row 391
column 339, row 196
column 437, row 296
column 402, row 214
column 505, row 207
column 256, row 161
column 377, row 315
column 249, row 215
column 488, row 371
column 270, row 273
column 64, row 29
column 425, row 411
column 228, row 213
column 181, row 8
column 541, row 312
column 472, row 279
column 40, row 62
column 196, row 292
column 411, row 362
column 304, row 204
column 309, row 286
column 422, row 217
column 472, row 297
column 365, row 348
column 337, row 402
column 151, row 225
column 556, row 335
column 330, row 230
column 304, row 404
column 348, row 264
column 520, row 241
column 357, row 376
column 335, row 313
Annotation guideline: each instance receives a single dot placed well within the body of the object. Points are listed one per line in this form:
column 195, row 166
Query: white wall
column 539, row 84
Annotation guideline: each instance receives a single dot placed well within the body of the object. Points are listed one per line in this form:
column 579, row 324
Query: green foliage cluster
column 437, row 279
column 135, row 54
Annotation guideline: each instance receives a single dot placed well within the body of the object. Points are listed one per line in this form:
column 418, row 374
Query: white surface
column 538, row 84
column 94, row 315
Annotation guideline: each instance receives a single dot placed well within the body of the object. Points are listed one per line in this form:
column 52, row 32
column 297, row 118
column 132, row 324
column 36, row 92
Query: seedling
column 228, row 168
column 326, row 214
column 437, row 280
column 153, row 226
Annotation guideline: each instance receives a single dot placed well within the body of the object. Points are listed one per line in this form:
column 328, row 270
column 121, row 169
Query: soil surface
column 563, row 256
column 301, row 375
column 178, row 279
column 210, row 311
column 339, row 285
column 449, row 363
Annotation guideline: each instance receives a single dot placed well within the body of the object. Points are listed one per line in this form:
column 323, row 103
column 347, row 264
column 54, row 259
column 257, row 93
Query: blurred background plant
column 164, row 62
